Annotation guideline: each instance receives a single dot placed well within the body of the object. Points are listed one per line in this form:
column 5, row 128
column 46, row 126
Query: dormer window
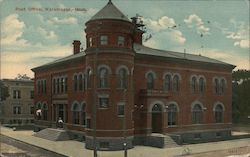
column 104, row 40
column 121, row 40
column 90, row 42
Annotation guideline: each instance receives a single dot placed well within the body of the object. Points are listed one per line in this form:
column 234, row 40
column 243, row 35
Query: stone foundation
column 109, row 143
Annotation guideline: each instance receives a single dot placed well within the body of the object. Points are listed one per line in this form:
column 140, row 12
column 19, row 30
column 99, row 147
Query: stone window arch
column 150, row 76
column 122, row 73
column 167, row 82
column 176, row 83
column 218, row 110
column 172, row 110
column 222, row 85
column 80, row 81
column 197, row 113
column 202, row 84
column 75, row 108
column 193, row 84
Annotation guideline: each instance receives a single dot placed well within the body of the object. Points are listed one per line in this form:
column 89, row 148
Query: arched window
column 218, row 114
column 156, row 108
column 216, row 86
column 172, row 114
column 201, row 85
column 103, row 77
column 176, row 83
column 193, row 84
column 57, row 85
column 222, row 86
column 80, row 82
column 167, row 82
column 150, row 81
column 122, row 82
column 75, row 83
column 76, row 113
column 197, row 114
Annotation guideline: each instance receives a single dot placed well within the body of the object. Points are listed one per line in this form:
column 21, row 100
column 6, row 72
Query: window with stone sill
column 104, row 40
column 197, row 114
column 122, row 79
column 103, row 103
column 121, row 41
column 120, row 109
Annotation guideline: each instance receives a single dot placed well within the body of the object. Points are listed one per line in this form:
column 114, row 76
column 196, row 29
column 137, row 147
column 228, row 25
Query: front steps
column 53, row 134
column 169, row 142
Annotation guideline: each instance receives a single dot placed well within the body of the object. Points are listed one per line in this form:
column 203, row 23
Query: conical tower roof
column 110, row 11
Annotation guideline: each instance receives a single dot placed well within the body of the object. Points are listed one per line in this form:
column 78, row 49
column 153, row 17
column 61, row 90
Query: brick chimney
column 76, row 46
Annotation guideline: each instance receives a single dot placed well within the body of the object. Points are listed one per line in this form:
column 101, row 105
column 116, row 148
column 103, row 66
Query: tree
column 241, row 99
column 4, row 92
column 22, row 77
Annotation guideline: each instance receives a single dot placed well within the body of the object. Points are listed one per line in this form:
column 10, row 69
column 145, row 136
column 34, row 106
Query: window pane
column 104, row 40
column 103, row 102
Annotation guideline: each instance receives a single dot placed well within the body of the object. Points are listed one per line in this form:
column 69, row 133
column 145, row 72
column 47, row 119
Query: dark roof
column 143, row 50
column 140, row 49
column 110, row 11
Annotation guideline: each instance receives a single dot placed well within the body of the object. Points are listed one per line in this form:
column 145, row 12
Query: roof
column 67, row 58
column 110, row 11
column 140, row 49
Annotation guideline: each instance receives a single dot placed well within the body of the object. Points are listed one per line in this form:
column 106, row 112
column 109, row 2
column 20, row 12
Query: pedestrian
column 60, row 122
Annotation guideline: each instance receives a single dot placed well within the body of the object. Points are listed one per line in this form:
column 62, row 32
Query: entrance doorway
column 156, row 119
column 61, row 111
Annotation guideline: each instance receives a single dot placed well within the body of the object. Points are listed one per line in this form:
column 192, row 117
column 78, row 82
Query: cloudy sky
column 36, row 32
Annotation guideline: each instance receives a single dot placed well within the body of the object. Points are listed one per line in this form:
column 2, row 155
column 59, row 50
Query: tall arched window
column 201, row 85
column 75, row 83
column 76, row 113
column 150, row 81
column 222, row 86
column 193, row 84
column 197, row 114
column 176, row 83
column 80, row 82
column 167, row 82
column 216, row 86
column 103, row 77
column 172, row 114
column 218, row 114
column 122, row 82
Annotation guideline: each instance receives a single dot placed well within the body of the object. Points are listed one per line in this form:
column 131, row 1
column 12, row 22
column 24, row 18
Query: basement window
column 197, row 136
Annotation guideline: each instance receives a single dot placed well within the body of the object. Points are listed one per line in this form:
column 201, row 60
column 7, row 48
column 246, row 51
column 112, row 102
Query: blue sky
column 32, row 36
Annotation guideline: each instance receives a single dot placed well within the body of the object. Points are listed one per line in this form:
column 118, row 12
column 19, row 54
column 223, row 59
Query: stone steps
column 169, row 142
column 53, row 134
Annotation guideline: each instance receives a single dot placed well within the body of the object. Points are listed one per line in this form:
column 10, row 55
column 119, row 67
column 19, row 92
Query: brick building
column 137, row 90
column 18, row 108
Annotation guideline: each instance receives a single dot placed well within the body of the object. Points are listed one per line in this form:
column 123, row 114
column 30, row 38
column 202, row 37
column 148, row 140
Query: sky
column 36, row 32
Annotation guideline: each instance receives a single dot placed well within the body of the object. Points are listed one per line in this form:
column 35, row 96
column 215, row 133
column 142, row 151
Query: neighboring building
column 18, row 108
column 135, row 88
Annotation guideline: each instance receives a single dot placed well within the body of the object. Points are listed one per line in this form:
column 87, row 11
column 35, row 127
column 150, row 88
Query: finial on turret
column 110, row 1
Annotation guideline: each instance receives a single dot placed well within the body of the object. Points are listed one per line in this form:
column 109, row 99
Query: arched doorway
column 156, row 119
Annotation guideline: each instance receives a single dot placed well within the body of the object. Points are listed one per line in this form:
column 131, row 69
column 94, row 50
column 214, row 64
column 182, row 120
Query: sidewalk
column 77, row 149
